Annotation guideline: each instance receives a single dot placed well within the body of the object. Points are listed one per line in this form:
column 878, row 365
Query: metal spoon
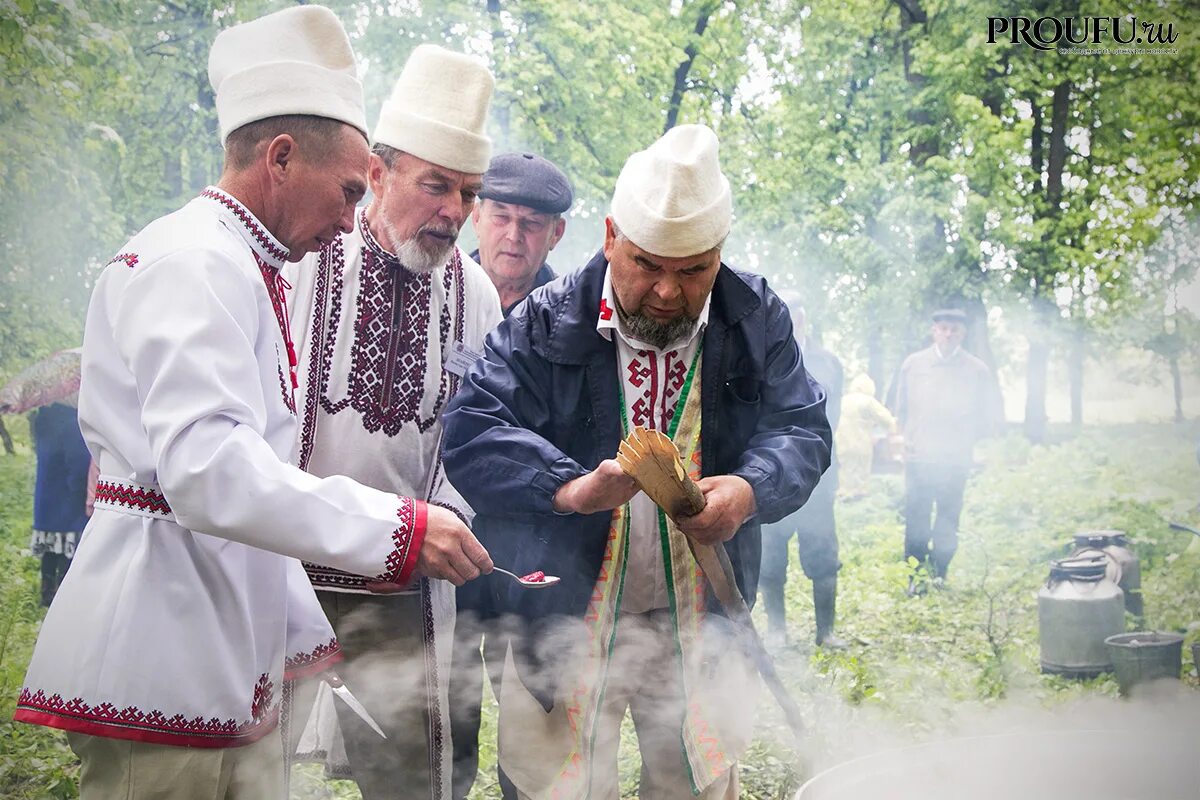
column 549, row 580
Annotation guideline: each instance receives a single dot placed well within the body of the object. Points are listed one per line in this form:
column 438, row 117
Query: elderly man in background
column 186, row 609
column 518, row 221
column 945, row 402
column 386, row 317
column 656, row 332
column 814, row 524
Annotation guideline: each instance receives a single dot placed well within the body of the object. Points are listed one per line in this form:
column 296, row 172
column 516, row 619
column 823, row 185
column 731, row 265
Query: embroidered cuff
column 317, row 660
column 406, row 540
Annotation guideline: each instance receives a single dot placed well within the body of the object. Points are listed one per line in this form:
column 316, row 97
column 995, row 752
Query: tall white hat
column 671, row 198
column 438, row 110
column 296, row 61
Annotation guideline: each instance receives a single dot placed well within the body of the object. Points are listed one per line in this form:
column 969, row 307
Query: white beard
column 413, row 257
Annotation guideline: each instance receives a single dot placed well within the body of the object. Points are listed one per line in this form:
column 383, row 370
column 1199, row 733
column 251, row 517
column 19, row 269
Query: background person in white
column 164, row 654
column 386, row 318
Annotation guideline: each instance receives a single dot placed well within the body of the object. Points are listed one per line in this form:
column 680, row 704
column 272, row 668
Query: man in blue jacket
column 655, row 332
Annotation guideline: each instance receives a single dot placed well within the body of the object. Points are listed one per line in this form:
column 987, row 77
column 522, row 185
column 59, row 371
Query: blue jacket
column 542, row 407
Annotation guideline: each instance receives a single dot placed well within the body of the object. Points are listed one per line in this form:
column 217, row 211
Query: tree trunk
column 4, row 437
column 685, row 66
column 1035, row 390
column 875, row 368
column 500, row 111
column 1036, row 371
column 1075, row 362
column 1177, row 385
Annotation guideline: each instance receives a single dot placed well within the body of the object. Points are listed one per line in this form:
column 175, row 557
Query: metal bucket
column 1078, row 609
column 1124, row 569
column 1092, row 764
column 1144, row 656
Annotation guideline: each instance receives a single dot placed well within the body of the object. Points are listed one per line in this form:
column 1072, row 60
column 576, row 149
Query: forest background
column 886, row 158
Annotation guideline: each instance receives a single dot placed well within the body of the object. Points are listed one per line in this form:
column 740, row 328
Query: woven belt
column 131, row 497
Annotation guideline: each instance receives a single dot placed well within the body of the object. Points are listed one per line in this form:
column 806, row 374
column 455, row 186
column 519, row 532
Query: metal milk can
column 1078, row 608
column 1124, row 568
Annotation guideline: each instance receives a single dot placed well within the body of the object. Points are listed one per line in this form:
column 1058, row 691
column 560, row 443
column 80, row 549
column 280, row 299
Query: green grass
column 916, row 666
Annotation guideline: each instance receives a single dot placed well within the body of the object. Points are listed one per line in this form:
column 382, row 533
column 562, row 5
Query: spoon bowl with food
column 534, row 580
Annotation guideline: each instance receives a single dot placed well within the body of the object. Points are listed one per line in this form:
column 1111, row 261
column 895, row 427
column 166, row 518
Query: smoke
column 1093, row 747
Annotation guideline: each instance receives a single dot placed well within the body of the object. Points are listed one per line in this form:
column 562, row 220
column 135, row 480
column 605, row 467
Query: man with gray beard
column 386, row 319
column 654, row 332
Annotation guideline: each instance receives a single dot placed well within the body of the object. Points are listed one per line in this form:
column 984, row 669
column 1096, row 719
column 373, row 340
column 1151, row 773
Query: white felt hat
column 671, row 198
column 438, row 109
column 296, row 61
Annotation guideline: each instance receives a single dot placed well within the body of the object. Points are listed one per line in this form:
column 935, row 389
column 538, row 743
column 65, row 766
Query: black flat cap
column 950, row 315
column 524, row 179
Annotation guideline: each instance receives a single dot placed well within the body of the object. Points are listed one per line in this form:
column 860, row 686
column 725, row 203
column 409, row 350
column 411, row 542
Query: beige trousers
column 534, row 744
column 115, row 769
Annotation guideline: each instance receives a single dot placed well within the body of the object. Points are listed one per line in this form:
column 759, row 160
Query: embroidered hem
column 133, row 724
column 321, row 658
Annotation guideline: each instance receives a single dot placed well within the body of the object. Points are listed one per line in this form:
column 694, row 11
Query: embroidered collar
column 266, row 246
column 387, row 257
column 608, row 321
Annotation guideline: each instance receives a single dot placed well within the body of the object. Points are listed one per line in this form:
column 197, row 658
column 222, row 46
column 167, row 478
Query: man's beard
column 417, row 258
column 651, row 331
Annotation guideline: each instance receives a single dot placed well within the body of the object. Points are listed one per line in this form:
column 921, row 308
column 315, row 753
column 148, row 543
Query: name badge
column 461, row 358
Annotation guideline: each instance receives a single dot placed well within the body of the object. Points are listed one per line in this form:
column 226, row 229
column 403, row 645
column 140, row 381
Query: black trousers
column 932, row 507
column 54, row 569
column 815, row 529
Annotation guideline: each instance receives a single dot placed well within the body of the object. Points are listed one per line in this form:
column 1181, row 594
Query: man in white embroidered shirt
column 166, row 650
column 657, row 332
column 386, row 318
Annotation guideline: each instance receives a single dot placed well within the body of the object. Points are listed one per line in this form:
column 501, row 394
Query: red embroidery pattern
column 391, row 340
column 318, row 364
column 321, row 652
column 655, row 380
column 431, row 690
column 289, row 394
column 398, row 566
column 605, row 312
column 275, row 290
column 251, row 224
column 80, row 715
column 132, row 497
column 264, row 697
column 130, row 259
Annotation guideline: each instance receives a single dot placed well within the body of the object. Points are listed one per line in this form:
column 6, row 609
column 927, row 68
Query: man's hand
column 449, row 551
column 602, row 489
column 729, row 501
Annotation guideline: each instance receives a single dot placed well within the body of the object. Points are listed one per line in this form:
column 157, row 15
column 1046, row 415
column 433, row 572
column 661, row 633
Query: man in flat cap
column 944, row 402
column 387, row 317
column 519, row 220
column 166, row 650
column 653, row 332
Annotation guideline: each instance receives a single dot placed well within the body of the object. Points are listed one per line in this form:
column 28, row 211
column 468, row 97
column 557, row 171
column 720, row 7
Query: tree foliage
column 886, row 158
